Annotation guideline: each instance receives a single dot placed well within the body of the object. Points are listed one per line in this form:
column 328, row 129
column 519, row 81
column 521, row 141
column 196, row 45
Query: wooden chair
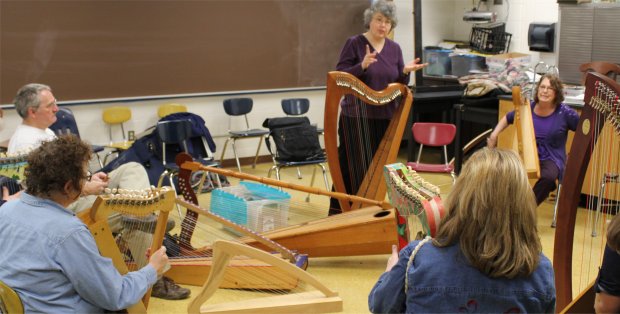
column 9, row 300
column 608, row 69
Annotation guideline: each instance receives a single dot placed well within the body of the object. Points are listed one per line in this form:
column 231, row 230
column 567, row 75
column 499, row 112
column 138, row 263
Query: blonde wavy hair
column 491, row 215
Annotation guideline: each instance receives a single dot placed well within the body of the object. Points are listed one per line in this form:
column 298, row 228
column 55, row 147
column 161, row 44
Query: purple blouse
column 388, row 69
column 552, row 132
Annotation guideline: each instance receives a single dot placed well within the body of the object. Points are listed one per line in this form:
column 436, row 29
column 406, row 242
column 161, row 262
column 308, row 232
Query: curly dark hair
column 54, row 164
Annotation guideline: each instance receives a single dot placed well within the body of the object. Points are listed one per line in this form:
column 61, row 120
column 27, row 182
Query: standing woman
column 377, row 61
column 552, row 119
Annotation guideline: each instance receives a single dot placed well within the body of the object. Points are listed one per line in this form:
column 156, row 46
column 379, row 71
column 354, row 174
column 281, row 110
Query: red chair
column 434, row 135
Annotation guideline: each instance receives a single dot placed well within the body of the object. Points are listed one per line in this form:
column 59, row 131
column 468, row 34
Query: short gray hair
column 387, row 8
column 28, row 97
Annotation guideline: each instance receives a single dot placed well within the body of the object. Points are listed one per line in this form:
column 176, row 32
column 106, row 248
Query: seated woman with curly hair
column 48, row 256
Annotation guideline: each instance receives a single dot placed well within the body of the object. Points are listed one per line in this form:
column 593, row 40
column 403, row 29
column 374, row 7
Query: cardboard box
column 498, row 63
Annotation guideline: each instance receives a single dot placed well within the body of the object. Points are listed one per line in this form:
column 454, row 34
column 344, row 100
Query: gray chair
column 237, row 107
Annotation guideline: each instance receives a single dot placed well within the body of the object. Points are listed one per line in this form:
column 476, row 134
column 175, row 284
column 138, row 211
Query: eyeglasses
column 88, row 176
column 381, row 20
column 543, row 87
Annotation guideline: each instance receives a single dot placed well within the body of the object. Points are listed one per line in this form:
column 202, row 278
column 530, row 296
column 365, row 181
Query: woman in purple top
column 552, row 119
column 377, row 61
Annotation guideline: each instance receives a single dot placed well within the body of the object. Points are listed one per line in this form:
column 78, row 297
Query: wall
column 443, row 19
column 267, row 105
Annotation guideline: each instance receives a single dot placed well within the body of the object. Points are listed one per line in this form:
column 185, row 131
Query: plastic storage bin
column 259, row 207
column 438, row 59
column 463, row 64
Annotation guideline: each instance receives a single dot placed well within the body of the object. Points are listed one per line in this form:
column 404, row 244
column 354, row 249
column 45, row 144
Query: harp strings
column 133, row 221
column 603, row 185
column 362, row 127
column 245, row 277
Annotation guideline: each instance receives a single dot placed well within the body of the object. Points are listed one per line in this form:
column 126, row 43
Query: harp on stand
column 192, row 262
column 370, row 230
column 140, row 205
column 246, row 279
column 577, row 251
column 526, row 138
column 413, row 196
column 339, row 85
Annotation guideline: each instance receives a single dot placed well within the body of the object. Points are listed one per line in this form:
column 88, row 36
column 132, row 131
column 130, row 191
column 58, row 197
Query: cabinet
column 587, row 32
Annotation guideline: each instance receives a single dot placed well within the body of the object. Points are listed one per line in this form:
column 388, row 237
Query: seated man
column 53, row 262
column 37, row 106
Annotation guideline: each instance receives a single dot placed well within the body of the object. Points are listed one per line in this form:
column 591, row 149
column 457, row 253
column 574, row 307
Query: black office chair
column 235, row 107
column 66, row 124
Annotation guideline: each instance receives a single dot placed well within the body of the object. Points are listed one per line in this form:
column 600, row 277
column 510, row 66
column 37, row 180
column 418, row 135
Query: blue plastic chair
column 66, row 124
column 236, row 107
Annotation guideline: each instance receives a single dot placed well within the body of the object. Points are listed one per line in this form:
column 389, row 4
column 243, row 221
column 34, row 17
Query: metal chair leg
column 224, row 150
column 260, row 143
column 170, row 175
column 555, row 206
column 235, row 152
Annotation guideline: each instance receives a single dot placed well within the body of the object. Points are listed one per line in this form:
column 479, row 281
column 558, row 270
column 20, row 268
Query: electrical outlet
column 498, row 1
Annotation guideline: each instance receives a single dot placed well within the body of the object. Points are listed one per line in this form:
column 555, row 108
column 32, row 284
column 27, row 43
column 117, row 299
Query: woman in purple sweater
column 552, row 119
column 377, row 61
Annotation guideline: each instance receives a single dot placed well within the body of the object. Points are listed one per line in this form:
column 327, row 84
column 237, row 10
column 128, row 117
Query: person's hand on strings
column 369, row 58
column 158, row 260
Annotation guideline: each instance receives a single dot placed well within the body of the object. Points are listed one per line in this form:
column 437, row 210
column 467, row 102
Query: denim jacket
column 442, row 281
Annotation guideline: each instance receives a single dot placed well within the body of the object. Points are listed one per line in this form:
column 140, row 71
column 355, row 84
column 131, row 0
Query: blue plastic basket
column 259, row 207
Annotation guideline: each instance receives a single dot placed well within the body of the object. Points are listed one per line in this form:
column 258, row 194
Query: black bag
column 295, row 138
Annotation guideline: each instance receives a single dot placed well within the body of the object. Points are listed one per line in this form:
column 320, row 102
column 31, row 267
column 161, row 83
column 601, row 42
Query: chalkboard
column 116, row 49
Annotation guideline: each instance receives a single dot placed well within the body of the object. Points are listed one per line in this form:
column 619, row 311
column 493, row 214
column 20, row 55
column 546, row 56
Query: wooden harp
column 371, row 230
column 137, row 205
column 595, row 150
column 193, row 261
column 342, row 84
column 526, row 138
column 319, row 300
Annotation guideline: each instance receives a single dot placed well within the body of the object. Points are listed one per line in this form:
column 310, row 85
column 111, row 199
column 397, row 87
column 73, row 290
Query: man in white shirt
column 37, row 106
